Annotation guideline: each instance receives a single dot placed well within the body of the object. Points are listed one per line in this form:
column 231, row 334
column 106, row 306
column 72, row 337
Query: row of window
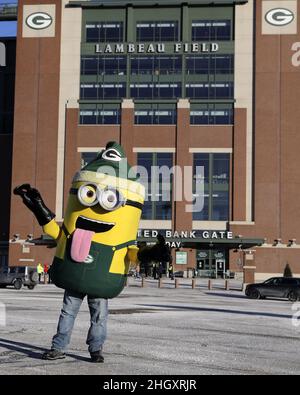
column 157, row 65
column 159, row 31
column 104, row 32
column 211, row 175
column 208, row 91
column 157, row 114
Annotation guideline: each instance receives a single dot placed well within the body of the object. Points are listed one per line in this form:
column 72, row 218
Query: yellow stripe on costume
column 52, row 229
column 132, row 254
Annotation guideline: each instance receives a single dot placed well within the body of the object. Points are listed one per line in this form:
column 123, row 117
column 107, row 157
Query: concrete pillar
column 127, row 128
column 249, row 268
column 183, row 219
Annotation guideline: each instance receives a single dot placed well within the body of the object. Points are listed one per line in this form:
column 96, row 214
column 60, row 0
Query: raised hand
column 33, row 200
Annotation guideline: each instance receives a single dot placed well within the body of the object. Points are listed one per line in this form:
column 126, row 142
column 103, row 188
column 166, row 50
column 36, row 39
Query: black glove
column 160, row 252
column 33, row 200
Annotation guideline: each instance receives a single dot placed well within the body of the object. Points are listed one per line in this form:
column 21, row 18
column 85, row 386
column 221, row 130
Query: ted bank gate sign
column 2, row 55
column 174, row 239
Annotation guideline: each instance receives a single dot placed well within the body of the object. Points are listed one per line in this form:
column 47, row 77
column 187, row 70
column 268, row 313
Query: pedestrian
column 171, row 271
column 154, row 271
column 40, row 271
column 46, row 274
column 137, row 271
column 160, row 270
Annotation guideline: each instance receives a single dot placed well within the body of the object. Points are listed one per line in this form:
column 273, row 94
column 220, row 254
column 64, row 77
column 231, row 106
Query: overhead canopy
column 196, row 244
column 206, row 244
column 147, row 3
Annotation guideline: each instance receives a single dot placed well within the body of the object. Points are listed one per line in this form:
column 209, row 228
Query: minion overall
column 97, row 240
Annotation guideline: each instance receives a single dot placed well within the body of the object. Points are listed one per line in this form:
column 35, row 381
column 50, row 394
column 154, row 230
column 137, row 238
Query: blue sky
column 8, row 29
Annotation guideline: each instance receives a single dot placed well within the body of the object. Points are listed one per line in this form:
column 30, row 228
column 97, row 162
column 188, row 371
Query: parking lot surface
column 155, row 331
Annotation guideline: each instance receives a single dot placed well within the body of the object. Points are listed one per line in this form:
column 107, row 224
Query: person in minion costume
column 95, row 244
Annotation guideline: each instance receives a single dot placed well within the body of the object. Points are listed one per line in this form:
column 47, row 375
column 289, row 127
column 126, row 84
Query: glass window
column 103, row 91
column 197, row 64
column 156, row 65
column 89, row 91
column 212, row 30
column 89, row 65
column 103, row 65
column 156, row 90
column 209, row 65
column 158, row 205
column 100, row 114
column 212, row 114
column 201, row 183
column 158, row 31
column 87, row 157
column 155, row 114
column 113, row 65
column 216, row 186
column 220, row 90
column 220, row 198
column 104, row 32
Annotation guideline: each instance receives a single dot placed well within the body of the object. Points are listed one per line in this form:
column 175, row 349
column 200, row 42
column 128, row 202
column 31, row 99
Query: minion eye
column 87, row 195
column 110, row 199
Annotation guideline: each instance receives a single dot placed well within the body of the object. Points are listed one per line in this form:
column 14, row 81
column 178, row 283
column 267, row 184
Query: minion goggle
column 110, row 199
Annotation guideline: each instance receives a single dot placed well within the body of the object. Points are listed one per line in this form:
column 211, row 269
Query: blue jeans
column 98, row 329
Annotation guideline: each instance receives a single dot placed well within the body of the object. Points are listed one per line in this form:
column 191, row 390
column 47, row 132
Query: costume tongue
column 81, row 245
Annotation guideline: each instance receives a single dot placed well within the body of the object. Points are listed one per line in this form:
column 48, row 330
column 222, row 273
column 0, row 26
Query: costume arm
column 52, row 229
column 132, row 255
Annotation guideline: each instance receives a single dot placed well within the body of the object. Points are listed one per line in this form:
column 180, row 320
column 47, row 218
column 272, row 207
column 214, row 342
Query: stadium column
column 36, row 122
column 183, row 218
column 127, row 128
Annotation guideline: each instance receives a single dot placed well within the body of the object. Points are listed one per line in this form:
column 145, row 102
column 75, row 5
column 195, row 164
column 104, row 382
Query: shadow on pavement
column 225, row 295
column 213, row 310
column 32, row 351
column 27, row 349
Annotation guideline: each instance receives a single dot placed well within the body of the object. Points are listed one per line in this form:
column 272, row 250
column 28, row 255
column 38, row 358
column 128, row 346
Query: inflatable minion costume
column 97, row 241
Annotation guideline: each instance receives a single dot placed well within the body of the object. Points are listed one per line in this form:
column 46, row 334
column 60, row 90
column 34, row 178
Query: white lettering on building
column 296, row 56
column 156, row 48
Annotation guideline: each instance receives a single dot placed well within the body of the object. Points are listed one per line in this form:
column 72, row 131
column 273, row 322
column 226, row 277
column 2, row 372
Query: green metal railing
column 8, row 11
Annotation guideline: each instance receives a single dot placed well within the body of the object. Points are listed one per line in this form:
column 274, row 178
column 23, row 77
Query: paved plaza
column 155, row 331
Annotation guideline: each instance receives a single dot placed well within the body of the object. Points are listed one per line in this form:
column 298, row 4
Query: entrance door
column 203, row 264
column 212, row 263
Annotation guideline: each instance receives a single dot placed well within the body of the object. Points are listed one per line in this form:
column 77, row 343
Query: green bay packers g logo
column 39, row 20
column 280, row 17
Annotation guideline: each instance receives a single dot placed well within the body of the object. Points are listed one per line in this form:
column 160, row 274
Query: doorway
column 212, row 263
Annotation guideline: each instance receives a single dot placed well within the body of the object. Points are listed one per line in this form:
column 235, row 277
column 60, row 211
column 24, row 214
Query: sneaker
column 52, row 355
column 97, row 357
